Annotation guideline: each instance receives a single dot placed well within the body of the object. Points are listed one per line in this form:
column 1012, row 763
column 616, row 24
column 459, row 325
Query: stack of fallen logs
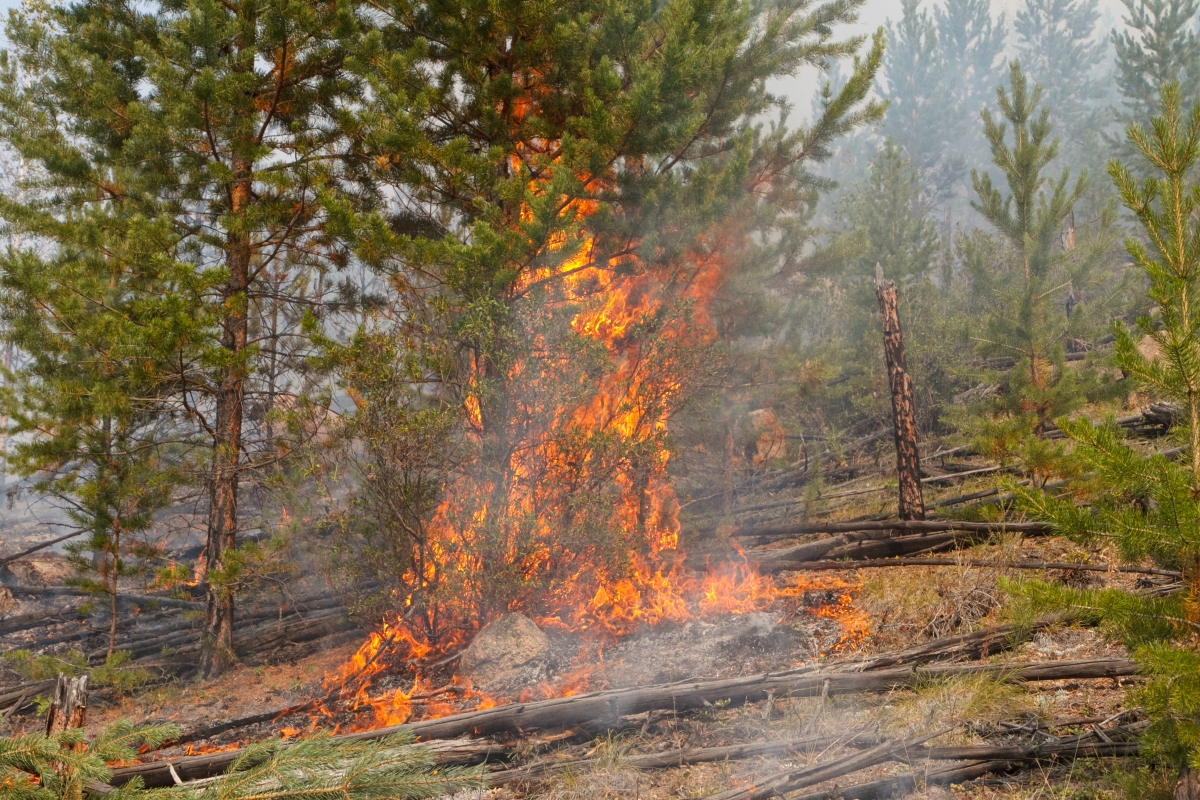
column 888, row 543
column 166, row 642
column 458, row 739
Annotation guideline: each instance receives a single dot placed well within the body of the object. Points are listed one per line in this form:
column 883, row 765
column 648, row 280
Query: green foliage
column 939, row 71
column 1057, row 44
column 1158, row 47
column 112, row 673
column 883, row 222
column 1030, row 282
column 40, row 666
column 58, row 767
column 39, row 767
column 1149, row 507
column 317, row 766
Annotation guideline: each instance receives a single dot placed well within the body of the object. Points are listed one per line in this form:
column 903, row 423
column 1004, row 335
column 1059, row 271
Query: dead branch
column 36, row 548
column 978, row 644
column 792, row 780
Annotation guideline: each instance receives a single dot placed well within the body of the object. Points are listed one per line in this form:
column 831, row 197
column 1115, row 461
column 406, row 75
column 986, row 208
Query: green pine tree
column 1159, row 46
column 973, row 45
column 915, row 72
column 216, row 129
column 568, row 154
column 1030, row 283
column 939, row 72
column 1059, row 48
column 86, row 408
column 1149, row 507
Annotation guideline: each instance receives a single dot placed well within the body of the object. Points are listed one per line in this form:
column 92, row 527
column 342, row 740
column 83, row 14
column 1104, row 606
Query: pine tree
column 567, row 156
column 882, row 221
column 1161, row 46
column 1029, row 306
column 1149, row 507
column 973, row 46
column 1059, row 49
column 218, row 127
column 918, row 103
column 939, row 71
column 86, row 406
column 896, row 232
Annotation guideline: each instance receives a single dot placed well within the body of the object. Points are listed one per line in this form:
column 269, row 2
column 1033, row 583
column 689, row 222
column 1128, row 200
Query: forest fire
column 568, row 448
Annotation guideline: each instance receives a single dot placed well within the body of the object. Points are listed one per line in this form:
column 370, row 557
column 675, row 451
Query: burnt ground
column 308, row 634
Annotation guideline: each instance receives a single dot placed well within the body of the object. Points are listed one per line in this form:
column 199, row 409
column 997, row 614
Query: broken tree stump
column 69, row 706
column 904, row 417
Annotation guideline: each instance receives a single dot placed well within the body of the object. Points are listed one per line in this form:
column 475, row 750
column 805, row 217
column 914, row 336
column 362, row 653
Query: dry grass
column 912, row 605
column 955, row 702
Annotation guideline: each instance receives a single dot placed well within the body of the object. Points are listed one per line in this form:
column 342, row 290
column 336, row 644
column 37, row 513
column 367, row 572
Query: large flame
column 562, row 445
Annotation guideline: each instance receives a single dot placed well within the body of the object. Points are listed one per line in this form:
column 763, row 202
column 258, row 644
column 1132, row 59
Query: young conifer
column 86, row 409
column 1030, row 312
column 1149, row 507
column 1159, row 46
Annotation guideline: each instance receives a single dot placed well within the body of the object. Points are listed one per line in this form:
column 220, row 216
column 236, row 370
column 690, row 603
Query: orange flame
column 606, row 436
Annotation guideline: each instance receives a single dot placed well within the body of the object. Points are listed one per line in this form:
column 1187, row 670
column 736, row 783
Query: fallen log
column 878, row 544
column 903, row 784
column 887, row 526
column 791, row 780
column 19, row 693
column 784, row 566
column 680, row 757
column 567, row 712
column 977, row 644
column 995, row 758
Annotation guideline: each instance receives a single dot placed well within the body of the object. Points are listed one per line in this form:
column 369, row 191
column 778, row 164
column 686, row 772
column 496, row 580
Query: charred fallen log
column 783, row 566
column 791, row 780
column 881, row 543
column 568, row 712
column 887, row 527
column 997, row 758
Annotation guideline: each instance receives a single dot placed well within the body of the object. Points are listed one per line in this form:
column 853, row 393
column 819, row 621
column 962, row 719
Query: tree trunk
column 227, row 445
column 908, row 460
column 69, row 706
column 1188, row 785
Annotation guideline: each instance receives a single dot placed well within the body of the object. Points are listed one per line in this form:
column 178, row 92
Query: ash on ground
column 727, row 646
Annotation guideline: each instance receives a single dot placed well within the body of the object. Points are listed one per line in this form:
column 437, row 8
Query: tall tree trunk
column 227, row 451
column 908, row 461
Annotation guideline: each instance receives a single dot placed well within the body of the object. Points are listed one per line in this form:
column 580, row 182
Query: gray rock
column 502, row 648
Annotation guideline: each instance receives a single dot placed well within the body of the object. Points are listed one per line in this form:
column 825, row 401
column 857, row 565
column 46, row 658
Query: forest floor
column 828, row 619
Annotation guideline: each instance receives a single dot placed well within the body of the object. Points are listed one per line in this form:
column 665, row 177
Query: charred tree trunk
column 69, row 706
column 908, row 460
